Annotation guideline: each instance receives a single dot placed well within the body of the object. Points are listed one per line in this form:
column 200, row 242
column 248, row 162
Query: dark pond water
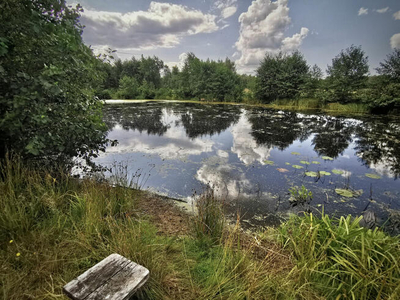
column 251, row 156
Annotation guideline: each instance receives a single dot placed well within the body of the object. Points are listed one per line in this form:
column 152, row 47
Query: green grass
column 341, row 259
column 304, row 103
column 355, row 108
column 54, row 227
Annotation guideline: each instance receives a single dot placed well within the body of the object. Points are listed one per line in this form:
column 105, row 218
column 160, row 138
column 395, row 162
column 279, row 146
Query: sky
column 242, row 30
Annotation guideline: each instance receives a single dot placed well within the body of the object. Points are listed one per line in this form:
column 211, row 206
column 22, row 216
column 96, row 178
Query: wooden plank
column 85, row 284
column 123, row 284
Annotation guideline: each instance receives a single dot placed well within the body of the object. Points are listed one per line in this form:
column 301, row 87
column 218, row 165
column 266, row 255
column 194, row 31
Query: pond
column 251, row 156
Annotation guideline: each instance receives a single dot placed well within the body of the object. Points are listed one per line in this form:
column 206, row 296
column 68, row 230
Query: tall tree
column 281, row 76
column 47, row 106
column 348, row 73
column 390, row 67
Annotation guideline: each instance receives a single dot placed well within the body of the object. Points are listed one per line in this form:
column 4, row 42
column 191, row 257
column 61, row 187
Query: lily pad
column 304, row 162
column 295, row 153
column 373, row 176
column 268, row 162
column 344, row 193
column 297, row 167
column 316, row 162
column 327, row 157
column 311, row 174
column 324, row 173
column 338, row 172
column 288, row 164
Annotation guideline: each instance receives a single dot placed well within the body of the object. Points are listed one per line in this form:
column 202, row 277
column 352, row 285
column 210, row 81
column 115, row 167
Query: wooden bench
column 114, row 278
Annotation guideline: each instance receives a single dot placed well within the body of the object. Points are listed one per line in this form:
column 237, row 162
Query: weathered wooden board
column 115, row 277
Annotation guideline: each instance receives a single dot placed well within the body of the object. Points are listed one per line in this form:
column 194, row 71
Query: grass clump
column 209, row 221
column 341, row 259
column 355, row 108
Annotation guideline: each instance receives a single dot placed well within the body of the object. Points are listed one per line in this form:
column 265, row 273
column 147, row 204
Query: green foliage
column 390, row 67
column 281, row 76
column 47, row 75
column 347, row 74
column 150, row 78
column 300, row 195
column 341, row 259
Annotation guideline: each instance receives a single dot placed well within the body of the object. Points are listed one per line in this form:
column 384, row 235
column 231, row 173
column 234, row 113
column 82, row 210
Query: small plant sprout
column 300, row 195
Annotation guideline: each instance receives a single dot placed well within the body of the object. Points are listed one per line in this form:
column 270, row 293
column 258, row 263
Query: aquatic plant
column 297, row 167
column 344, row 192
column 338, row 172
column 373, row 176
column 311, row 174
column 326, row 158
column 300, row 195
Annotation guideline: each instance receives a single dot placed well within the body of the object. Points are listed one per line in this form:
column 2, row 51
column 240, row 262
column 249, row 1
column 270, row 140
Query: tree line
column 279, row 76
column 150, row 78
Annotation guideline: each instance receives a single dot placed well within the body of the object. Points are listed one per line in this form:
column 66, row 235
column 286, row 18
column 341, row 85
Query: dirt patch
column 166, row 215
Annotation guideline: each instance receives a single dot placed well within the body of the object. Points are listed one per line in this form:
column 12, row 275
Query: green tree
column 47, row 75
column 313, row 82
column 128, row 88
column 347, row 74
column 281, row 76
column 390, row 67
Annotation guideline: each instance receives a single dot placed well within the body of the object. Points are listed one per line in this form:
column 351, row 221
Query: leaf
column 315, row 162
column 311, row 174
column 297, row 167
column 326, row 157
column 373, row 176
column 304, row 162
column 269, row 162
column 288, row 164
column 324, row 173
column 295, row 153
column 338, row 172
column 344, row 193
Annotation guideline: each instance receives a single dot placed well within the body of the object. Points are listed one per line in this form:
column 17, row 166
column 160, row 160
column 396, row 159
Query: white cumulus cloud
column 227, row 7
column 162, row 25
column 262, row 30
column 396, row 15
column 382, row 10
column 180, row 64
column 363, row 11
column 395, row 41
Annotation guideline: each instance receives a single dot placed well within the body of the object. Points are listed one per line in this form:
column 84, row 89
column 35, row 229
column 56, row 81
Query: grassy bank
column 53, row 227
column 304, row 104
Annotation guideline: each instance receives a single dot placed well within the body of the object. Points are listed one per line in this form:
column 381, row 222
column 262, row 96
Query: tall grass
column 303, row 103
column 53, row 228
column 356, row 108
column 343, row 260
column 209, row 221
